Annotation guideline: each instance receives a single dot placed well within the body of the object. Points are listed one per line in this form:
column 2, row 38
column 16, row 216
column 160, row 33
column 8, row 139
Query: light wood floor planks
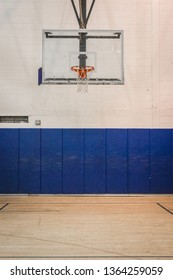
column 86, row 227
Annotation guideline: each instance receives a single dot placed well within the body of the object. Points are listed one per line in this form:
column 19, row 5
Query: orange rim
column 82, row 71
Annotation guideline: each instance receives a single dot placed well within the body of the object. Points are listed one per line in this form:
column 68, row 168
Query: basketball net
column 82, row 74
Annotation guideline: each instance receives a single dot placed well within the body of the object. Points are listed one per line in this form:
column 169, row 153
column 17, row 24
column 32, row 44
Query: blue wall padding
column 73, row 161
column 161, row 161
column 95, row 161
column 29, row 161
column 117, row 161
column 9, row 160
column 86, row 161
column 51, row 161
column 138, row 161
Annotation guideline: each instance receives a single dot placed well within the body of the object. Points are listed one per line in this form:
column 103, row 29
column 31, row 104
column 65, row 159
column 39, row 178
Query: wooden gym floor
column 86, row 227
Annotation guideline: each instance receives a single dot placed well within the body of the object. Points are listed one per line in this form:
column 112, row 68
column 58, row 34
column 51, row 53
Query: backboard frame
column 88, row 34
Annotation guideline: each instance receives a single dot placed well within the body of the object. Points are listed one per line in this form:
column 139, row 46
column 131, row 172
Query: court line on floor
column 76, row 204
column 87, row 203
column 167, row 210
column 54, row 211
column 4, row 206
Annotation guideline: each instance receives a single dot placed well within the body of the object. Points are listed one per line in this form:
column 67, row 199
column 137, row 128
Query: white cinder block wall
column 146, row 99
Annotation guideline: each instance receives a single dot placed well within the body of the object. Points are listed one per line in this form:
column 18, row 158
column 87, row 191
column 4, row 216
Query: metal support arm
column 82, row 18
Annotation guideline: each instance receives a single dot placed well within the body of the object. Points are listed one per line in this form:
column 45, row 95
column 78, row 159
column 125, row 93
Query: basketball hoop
column 82, row 77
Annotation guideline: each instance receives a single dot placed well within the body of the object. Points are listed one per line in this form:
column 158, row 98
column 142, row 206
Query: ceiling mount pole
column 83, row 14
column 82, row 17
column 75, row 10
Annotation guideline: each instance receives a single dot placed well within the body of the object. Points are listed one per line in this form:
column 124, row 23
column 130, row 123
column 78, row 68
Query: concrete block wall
column 142, row 108
column 144, row 101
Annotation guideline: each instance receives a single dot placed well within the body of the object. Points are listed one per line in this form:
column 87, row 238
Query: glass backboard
column 101, row 49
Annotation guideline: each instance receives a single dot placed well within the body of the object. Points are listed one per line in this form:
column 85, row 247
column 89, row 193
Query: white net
column 82, row 77
column 82, row 85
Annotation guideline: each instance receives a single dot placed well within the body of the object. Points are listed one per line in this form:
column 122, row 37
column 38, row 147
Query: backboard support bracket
column 82, row 17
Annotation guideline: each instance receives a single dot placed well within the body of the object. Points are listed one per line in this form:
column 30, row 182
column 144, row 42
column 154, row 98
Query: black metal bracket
column 49, row 35
column 75, row 10
column 83, row 18
column 89, row 13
